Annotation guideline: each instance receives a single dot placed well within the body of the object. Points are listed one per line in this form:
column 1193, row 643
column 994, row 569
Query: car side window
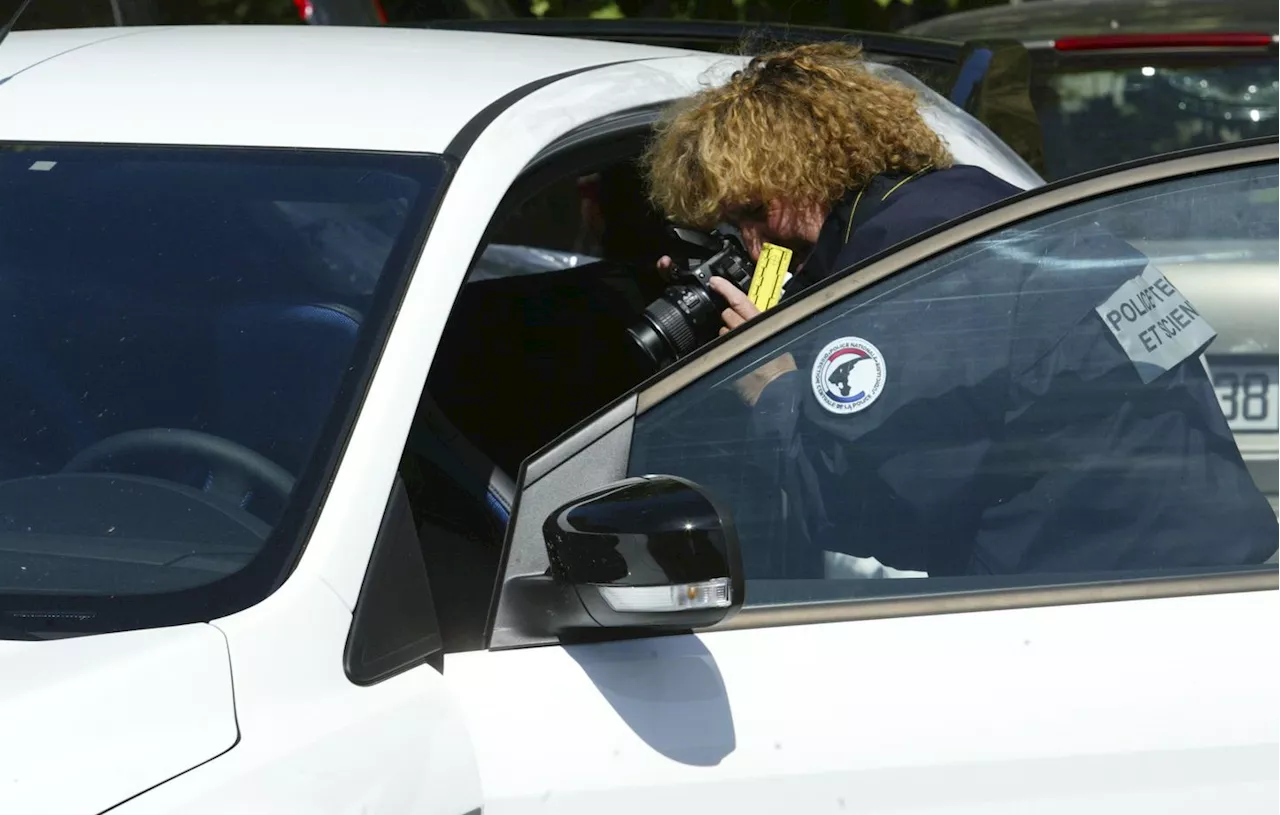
column 460, row 504
column 595, row 213
column 536, row 340
column 1036, row 406
column 556, row 228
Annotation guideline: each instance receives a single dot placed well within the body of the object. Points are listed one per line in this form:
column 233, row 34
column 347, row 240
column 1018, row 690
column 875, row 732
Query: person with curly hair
column 1039, row 445
column 799, row 147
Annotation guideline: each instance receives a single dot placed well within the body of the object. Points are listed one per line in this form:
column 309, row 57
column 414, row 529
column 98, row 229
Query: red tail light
column 305, row 10
column 1189, row 40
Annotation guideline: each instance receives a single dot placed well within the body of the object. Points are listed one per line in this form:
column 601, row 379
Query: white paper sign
column 1155, row 325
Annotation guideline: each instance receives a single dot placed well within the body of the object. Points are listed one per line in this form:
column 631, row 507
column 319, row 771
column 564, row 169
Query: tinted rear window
column 1103, row 114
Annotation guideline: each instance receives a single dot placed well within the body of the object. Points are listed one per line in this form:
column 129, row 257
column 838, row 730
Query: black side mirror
column 651, row 552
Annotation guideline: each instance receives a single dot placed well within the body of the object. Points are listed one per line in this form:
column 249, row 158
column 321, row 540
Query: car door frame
column 977, row 69
column 989, row 78
column 597, row 450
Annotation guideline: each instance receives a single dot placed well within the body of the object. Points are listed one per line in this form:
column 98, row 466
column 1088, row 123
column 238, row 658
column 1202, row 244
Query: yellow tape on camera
column 770, row 276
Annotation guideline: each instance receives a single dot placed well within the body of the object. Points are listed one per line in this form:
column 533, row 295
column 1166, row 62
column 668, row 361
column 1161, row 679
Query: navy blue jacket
column 911, row 207
column 1012, row 434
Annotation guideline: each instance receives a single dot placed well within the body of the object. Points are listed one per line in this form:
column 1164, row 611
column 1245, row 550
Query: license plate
column 1248, row 393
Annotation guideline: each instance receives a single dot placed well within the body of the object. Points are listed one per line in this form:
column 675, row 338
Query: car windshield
column 184, row 333
column 1097, row 115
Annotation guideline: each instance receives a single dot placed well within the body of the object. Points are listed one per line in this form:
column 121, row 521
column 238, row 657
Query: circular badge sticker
column 848, row 375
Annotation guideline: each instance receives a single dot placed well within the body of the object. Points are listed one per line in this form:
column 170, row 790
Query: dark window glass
column 545, row 308
column 976, row 419
column 1095, row 117
column 461, row 504
column 182, row 332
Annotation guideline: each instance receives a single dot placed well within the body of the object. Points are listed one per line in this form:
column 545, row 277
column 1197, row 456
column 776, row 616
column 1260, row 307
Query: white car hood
column 88, row 722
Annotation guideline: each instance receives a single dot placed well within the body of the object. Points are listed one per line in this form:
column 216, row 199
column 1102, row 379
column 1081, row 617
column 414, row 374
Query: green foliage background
column 864, row 14
column 874, row 15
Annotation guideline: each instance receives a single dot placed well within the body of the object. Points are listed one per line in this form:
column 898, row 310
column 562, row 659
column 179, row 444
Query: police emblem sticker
column 848, row 375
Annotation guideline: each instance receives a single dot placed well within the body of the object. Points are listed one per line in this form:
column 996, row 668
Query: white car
column 314, row 341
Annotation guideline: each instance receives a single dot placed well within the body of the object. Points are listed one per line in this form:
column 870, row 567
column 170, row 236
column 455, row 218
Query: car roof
column 1050, row 19
column 276, row 86
column 355, row 88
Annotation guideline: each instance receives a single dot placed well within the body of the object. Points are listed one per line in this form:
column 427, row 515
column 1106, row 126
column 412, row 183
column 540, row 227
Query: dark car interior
column 525, row 357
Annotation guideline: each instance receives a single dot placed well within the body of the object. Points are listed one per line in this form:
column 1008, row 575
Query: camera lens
column 664, row 335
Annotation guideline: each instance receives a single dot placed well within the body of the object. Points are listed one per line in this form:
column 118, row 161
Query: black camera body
column 687, row 313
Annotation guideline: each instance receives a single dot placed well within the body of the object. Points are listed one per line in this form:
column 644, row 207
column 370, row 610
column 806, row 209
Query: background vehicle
column 1118, row 80
column 279, row 467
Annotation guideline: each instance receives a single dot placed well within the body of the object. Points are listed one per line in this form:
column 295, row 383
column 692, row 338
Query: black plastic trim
column 394, row 625
column 574, row 441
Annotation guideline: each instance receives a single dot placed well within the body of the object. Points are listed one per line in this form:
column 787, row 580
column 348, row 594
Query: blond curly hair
column 805, row 124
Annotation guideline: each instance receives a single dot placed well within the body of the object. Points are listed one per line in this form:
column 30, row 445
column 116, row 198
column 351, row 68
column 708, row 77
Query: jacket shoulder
column 922, row 204
column 964, row 186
